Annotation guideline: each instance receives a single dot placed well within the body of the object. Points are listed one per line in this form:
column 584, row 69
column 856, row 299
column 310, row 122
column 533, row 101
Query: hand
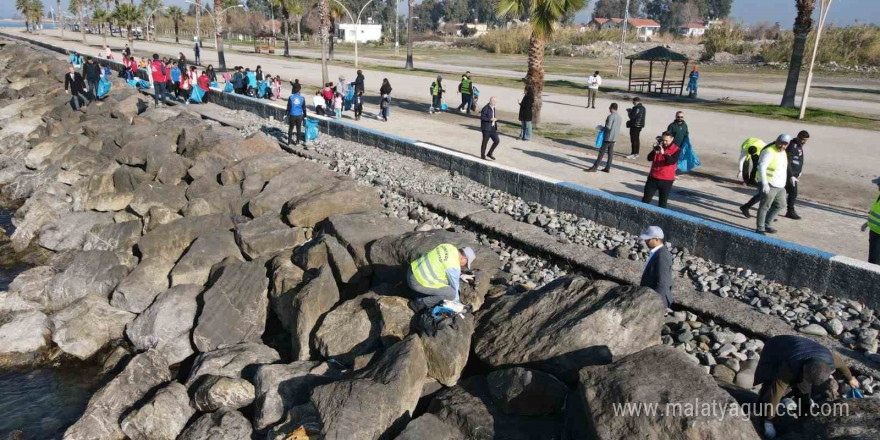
column 794, row 180
column 494, row 119
column 769, row 430
column 739, row 175
column 765, row 188
column 864, row 226
column 466, row 278
column 853, row 382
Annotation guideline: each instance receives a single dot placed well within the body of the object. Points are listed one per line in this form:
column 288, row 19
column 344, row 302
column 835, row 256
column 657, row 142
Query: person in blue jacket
column 175, row 79
column 296, row 114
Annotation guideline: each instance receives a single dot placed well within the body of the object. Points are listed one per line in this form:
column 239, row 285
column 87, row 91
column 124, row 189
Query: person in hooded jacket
column 525, row 114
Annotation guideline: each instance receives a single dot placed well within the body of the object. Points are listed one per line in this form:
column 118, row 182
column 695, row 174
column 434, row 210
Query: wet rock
column 89, row 324
column 216, row 392
column 162, row 417
column 22, row 336
column 167, row 323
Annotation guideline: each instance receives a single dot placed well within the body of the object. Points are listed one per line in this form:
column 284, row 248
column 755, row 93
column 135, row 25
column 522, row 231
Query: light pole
column 199, row 23
column 396, row 30
column 218, row 28
column 150, row 19
column 357, row 26
column 823, row 14
column 622, row 40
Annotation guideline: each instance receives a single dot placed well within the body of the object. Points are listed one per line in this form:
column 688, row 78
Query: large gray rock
column 325, row 249
column 152, row 194
column 526, row 392
column 396, row 323
column 39, row 210
column 658, row 375
column 30, row 284
column 227, row 199
column 127, row 179
column 22, row 336
column 171, row 240
column 373, row 404
column 300, row 178
column 158, row 216
column 235, row 306
column 220, row 425
column 429, row 426
column 167, row 323
column 208, row 250
column 343, row 197
column 173, row 170
column 858, row 421
column 232, row 361
column 267, row 235
column 69, row 230
column 284, row 276
column 280, row 387
column 266, row 165
column 468, row 407
column 163, row 417
column 117, row 237
column 447, row 351
column 88, row 273
column 357, row 231
column 567, row 324
column 86, row 326
column 138, row 290
column 100, row 421
column 215, row 392
column 350, row 330
column 391, row 257
column 301, row 309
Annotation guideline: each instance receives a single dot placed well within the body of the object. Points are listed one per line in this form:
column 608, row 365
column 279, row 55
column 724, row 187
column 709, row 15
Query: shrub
column 848, row 46
column 725, row 38
column 516, row 40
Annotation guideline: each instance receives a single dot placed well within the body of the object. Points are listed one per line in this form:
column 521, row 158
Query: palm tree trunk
column 409, row 24
column 803, row 24
column 286, row 34
column 221, row 57
column 176, row 32
column 535, row 75
column 325, row 15
column 61, row 21
column 104, row 35
column 299, row 35
column 332, row 33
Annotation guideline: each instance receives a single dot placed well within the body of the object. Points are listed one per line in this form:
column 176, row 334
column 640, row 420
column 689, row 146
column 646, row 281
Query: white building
column 364, row 33
column 645, row 28
column 692, row 30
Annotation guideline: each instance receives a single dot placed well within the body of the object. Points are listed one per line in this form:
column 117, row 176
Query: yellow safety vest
column 430, row 269
column 874, row 217
column 779, row 158
column 752, row 142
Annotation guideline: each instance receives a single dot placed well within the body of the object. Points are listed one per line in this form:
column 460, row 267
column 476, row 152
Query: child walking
column 358, row 105
column 337, row 105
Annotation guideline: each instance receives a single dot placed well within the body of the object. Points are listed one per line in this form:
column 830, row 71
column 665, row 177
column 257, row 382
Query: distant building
column 605, row 23
column 692, row 30
column 364, row 33
column 645, row 27
column 713, row 22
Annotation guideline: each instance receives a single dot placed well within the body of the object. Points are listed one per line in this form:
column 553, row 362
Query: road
column 840, row 162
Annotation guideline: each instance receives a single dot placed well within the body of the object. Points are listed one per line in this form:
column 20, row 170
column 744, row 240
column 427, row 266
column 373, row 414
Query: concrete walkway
column 825, row 226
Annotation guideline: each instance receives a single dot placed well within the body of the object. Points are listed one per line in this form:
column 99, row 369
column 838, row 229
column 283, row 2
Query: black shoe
column 606, row 170
column 770, row 230
column 591, row 170
column 490, row 156
column 483, row 157
column 760, row 232
column 416, row 305
column 594, row 106
column 792, row 215
column 745, row 210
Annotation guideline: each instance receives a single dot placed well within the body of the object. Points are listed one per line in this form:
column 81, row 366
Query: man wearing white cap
column 874, row 224
column 658, row 269
column 436, row 275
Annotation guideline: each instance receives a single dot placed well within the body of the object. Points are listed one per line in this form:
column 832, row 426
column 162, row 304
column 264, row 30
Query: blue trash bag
column 196, row 95
column 311, row 129
column 138, row 83
column 252, row 79
column 854, row 393
column 688, row 159
column 228, row 88
column 600, row 138
column 349, row 98
column 214, row 85
column 444, row 107
column 263, row 87
column 103, row 87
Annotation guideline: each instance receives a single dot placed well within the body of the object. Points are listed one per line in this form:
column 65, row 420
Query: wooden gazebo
column 663, row 55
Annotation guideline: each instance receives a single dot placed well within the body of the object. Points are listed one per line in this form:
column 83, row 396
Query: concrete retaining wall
column 783, row 261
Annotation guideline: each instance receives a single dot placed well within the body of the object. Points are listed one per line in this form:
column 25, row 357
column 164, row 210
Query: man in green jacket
column 679, row 129
column 466, row 88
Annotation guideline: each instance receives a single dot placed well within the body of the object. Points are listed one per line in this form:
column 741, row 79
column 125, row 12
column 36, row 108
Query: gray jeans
column 430, row 297
column 591, row 97
column 771, row 203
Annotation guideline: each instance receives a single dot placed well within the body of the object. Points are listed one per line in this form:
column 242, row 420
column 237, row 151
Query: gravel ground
column 724, row 352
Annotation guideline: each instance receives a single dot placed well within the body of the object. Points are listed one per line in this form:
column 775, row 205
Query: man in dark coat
column 658, row 269
column 92, row 74
column 796, row 363
column 679, row 129
column 636, row 123
column 74, row 84
column 489, row 127
column 359, row 82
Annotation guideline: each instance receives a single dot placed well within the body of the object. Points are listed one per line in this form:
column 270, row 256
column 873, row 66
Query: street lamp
column 824, row 7
column 217, row 28
column 622, row 40
column 357, row 26
column 150, row 19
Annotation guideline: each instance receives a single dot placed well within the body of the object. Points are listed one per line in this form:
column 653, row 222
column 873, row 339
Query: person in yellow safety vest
column 874, row 224
column 783, row 138
column 748, row 158
column 436, row 275
column 437, row 95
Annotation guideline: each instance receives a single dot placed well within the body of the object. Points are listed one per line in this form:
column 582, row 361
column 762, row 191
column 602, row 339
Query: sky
column 843, row 12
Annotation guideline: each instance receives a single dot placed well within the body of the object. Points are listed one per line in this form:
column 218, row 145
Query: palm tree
column 288, row 8
column 149, row 7
column 127, row 15
column 803, row 24
column 218, row 29
column 103, row 17
column 24, row 7
column 176, row 15
column 544, row 16
column 35, row 13
column 325, row 16
column 336, row 11
column 409, row 23
column 78, row 7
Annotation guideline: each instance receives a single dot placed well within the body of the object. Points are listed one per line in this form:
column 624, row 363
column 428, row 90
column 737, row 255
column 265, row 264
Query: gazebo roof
column 659, row 53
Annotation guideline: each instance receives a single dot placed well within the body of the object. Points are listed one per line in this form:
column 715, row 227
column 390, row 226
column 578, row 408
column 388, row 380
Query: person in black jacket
column 795, row 152
column 92, row 74
column 489, row 127
column 636, row 123
column 796, row 363
column 658, row 269
column 359, row 82
column 525, row 114
column 74, row 84
column 238, row 81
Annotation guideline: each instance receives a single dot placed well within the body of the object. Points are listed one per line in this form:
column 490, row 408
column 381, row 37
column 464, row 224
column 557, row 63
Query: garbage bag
column 228, row 88
column 264, row 86
column 349, row 98
column 196, row 95
column 600, row 138
column 214, row 85
column 103, row 87
column 311, row 129
column 688, row 159
column 139, row 83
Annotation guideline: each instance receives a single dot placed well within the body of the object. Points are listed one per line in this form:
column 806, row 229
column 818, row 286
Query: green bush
column 848, row 46
column 516, row 40
column 725, row 38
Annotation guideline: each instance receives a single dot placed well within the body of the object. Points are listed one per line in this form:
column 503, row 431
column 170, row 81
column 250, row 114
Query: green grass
column 815, row 116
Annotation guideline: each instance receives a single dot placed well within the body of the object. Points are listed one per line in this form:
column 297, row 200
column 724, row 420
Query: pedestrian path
column 824, row 226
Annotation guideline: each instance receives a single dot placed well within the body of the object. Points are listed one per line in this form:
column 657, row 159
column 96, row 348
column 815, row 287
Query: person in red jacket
column 204, row 84
column 664, row 162
column 160, row 77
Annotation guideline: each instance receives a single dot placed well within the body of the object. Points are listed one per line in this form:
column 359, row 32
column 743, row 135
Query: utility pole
column 396, row 30
column 622, row 40
column 199, row 22
column 823, row 14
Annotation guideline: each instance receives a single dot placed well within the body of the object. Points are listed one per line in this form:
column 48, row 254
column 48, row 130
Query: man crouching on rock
column 436, row 275
column 796, row 363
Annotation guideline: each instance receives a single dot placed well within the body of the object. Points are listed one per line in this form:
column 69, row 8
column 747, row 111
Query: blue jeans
column 467, row 99
column 525, row 131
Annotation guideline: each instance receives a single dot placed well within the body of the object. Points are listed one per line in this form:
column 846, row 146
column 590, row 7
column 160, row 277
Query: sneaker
column 416, row 305
column 461, row 110
column 591, row 170
column 606, row 170
column 760, row 232
column 632, row 156
column 745, row 210
column 770, row 230
column 490, row 156
column 792, row 215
